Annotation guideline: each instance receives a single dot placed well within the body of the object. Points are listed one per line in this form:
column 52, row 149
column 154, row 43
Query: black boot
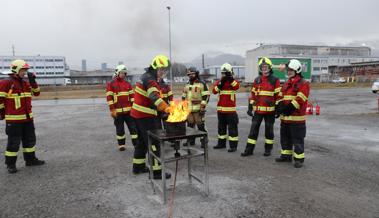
column 232, row 149
column 268, row 148
column 34, row 162
column 219, row 146
column 283, row 159
column 298, row 164
column 157, row 174
column 249, row 150
column 12, row 169
column 139, row 170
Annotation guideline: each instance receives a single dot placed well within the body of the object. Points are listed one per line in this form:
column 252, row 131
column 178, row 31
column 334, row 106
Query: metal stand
column 190, row 152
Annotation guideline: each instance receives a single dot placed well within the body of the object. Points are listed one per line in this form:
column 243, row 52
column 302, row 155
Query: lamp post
column 169, row 42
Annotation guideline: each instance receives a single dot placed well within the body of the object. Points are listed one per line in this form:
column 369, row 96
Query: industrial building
column 360, row 71
column 212, row 73
column 50, row 70
column 321, row 57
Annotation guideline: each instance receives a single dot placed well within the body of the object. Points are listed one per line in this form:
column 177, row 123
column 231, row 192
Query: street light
column 169, row 41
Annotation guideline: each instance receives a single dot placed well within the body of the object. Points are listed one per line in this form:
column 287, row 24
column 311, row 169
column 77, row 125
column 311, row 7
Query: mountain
column 217, row 58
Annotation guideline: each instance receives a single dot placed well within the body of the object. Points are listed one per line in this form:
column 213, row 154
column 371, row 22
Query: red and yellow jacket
column 227, row 96
column 166, row 93
column 16, row 99
column 264, row 94
column 295, row 91
column 147, row 97
column 120, row 95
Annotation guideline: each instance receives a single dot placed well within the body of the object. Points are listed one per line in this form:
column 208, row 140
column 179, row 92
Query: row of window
column 50, row 73
column 37, row 67
column 32, row 60
column 319, row 68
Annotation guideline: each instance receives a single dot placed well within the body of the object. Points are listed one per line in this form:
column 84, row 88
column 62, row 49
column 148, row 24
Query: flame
column 178, row 111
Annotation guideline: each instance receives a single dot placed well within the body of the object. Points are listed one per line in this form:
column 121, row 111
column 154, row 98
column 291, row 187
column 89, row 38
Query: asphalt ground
column 86, row 176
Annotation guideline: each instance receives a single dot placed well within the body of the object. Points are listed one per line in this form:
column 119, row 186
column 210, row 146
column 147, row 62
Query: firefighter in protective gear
column 291, row 109
column 166, row 92
column 147, row 103
column 16, row 108
column 120, row 97
column 196, row 93
column 262, row 101
column 226, row 108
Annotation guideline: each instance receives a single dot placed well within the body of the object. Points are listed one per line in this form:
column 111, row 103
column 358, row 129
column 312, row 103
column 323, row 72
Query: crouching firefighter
column 16, row 108
column 291, row 109
column 226, row 108
column 196, row 93
column 147, row 103
column 120, row 97
column 263, row 96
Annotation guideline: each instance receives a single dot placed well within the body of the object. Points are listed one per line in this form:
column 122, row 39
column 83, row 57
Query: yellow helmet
column 17, row 65
column 120, row 68
column 264, row 60
column 160, row 61
column 227, row 68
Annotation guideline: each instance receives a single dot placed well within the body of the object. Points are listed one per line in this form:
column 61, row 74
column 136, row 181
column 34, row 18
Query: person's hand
column 250, row 110
column 32, row 78
column 113, row 113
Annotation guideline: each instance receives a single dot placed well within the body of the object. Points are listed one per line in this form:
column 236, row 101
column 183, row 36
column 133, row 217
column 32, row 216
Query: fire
column 178, row 111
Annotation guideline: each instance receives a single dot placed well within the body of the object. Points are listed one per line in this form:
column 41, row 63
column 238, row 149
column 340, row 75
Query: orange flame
column 178, row 111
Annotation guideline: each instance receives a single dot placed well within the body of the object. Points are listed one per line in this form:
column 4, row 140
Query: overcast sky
column 134, row 31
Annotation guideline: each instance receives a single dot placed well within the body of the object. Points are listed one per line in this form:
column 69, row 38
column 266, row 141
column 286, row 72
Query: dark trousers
column 196, row 120
column 143, row 126
column 17, row 133
column 120, row 128
column 269, row 130
column 228, row 122
column 292, row 140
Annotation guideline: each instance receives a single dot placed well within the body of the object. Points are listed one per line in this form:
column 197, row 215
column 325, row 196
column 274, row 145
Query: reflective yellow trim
column 264, row 108
column 265, row 93
column 36, row 89
column 295, row 103
column 151, row 90
column 158, row 101
column 139, row 161
column 144, row 109
column 269, row 141
column 141, row 91
column 124, row 109
column 233, row 138
column 109, row 93
column 110, row 102
column 20, row 95
column 153, row 148
column 3, row 94
column 302, row 96
column 251, row 141
column 287, row 152
column 131, row 92
column 119, row 137
column 277, row 90
column 289, row 97
column 29, row 150
column 169, row 93
column 222, row 136
column 234, row 83
column 2, row 106
column 123, row 94
column 17, row 102
column 298, row 156
column 134, row 136
column 17, row 117
column 292, row 118
column 227, row 92
column 10, row 154
column 205, row 93
column 226, row 109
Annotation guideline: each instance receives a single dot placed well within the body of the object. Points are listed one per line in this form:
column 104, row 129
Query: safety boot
column 283, row 159
column 268, row 148
column 298, row 164
column 219, row 146
column 121, row 147
column 34, row 162
column 249, row 150
column 232, row 149
column 12, row 169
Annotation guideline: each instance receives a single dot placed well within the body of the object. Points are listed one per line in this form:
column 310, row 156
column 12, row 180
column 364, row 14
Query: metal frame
column 192, row 152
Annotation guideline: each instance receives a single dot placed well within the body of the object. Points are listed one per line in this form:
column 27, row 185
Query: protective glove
column 220, row 85
column 113, row 113
column 250, row 110
column 32, row 78
column 288, row 109
column 278, row 109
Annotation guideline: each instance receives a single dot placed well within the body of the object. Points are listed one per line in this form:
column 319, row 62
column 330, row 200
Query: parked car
column 375, row 86
column 339, row 80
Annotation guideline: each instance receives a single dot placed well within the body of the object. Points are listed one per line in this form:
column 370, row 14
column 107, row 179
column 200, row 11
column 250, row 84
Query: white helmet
column 120, row 68
column 295, row 65
column 7, row 72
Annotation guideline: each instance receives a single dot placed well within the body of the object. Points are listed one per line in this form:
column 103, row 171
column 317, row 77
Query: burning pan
column 175, row 128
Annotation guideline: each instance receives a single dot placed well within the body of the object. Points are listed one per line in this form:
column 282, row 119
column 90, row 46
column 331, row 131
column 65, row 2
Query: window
column 316, row 61
column 57, row 73
column 324, row 68
column 58, row 59
column 59, row 67
column 49, row 60
column 316, row 69
column 324, row 61
column 40, row 73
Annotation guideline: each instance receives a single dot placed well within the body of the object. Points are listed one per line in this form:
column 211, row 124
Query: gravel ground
column 86, row 176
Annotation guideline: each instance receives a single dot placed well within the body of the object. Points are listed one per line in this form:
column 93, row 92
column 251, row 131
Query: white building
column 50, row 70
column 322, row 57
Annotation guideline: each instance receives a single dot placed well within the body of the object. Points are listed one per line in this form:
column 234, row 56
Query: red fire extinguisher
column 318, row 109
column 309, row 110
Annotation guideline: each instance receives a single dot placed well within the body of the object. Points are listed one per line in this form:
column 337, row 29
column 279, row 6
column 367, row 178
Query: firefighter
column 226, row 108
column 262, row 101
column 16, row 108
column 166, row 92
column 196, row 93
column 120, row 97
column 291, row 109
column 147, row 103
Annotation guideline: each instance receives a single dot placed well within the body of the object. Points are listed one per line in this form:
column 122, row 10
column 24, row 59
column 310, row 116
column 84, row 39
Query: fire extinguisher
column 309, row 110
column 318, row 108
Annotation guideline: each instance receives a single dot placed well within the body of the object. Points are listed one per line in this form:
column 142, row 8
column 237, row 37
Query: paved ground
column 86, row 176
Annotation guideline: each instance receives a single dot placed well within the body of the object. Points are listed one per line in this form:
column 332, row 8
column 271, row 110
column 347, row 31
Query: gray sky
column 134, row 31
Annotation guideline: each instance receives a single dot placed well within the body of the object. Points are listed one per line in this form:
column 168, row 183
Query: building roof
column 308, row 46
